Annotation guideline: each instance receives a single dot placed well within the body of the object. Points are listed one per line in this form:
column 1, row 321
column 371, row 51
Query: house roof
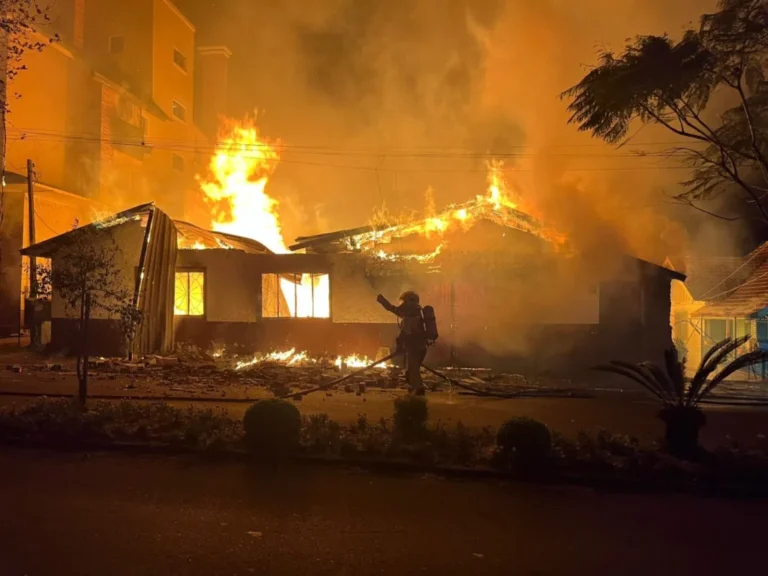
column 707, row 277
column 750, row 294
column 507, row 217
column 193, row 237
column 477, row 210
column 189, row 236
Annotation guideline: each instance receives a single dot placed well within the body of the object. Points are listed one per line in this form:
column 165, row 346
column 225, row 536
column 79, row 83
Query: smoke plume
column 378, row 101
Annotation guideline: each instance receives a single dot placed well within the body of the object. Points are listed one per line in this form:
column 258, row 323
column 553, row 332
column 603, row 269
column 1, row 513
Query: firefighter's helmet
column 410, row 297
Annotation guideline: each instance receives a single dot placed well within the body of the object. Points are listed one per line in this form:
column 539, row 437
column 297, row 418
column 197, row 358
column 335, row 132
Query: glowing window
column 190, row 294
column 295, row 296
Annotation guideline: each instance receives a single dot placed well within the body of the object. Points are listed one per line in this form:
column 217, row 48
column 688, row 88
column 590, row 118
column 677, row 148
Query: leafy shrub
column 321, row 435
column 272, row 428
column 410, row 418
column 524, row 442
column 63, row 421
column 461, row 445
column 371, row 439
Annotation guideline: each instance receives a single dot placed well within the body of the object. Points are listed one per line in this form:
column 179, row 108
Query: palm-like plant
column 681, row 396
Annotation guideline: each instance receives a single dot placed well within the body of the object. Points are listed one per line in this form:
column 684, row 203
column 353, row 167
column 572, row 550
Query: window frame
column 306, row 318
column 188, row 271
column 731, row 331
column 110, row 44
column 174, row 104
column 184, row 68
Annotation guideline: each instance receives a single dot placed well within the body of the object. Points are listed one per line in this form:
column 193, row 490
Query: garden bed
column 603, row 460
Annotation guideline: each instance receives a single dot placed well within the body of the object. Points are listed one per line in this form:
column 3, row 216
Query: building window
column 116, row 44
column 179, row 111
column 295, row 295
column 715, row 330
column 190, row 294
column 178, row 163
column 179, row 59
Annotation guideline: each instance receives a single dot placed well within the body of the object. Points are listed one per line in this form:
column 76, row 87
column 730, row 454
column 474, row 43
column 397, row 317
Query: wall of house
column 105, row 336
column 233, row 307
column 687, row 328
column 232, row 283
column 629, row 321
column 353, row 294
column 128, row 239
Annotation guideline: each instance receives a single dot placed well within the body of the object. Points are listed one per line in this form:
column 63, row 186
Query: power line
column 254, row 148
column 513, row 150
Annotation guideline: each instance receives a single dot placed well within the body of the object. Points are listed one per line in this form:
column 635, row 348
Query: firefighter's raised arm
column 387, row 305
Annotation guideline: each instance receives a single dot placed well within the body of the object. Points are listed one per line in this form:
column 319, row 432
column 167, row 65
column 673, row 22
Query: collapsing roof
column 188, row 236
column 369, row 239
column 462, row 216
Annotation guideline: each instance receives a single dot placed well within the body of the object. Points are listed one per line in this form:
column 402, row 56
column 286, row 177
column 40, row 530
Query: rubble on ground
column 191, row 371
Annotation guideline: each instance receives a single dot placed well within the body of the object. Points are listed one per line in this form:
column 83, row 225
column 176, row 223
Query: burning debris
column 380, row 240
column 293, row 358
column 498, row 205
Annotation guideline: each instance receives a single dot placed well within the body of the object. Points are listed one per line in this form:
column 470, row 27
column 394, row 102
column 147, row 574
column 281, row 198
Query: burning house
column 503, row 290
column 507, row 290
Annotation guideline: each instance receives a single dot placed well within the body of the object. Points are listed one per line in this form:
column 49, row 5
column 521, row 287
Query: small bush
column 524, row 442
column 410, row 418
column 272, row 428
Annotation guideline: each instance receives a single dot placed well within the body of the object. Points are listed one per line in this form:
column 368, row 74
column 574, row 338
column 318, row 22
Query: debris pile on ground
column 191, row 371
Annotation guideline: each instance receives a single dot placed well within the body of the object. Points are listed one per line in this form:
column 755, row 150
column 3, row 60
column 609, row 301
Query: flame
column 293, row 358
column 287, row 357
column 355, row 361
column 240, row 170
column 236, row 191
column 423, row 258
column 498, row 195
column 499, row 204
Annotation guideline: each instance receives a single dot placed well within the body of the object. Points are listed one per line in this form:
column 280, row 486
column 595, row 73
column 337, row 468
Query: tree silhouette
column 658, row 81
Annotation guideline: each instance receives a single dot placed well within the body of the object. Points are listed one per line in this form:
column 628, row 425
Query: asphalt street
column 107, row 514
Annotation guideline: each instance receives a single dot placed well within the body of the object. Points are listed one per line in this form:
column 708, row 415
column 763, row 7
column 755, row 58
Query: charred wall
column 233, row 306
column 105, row 336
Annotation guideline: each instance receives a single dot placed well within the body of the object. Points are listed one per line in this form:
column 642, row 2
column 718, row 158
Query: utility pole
column 32, row 259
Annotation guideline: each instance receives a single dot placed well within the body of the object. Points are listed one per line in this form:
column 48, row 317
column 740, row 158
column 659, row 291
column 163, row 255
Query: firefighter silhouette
column 413, row 338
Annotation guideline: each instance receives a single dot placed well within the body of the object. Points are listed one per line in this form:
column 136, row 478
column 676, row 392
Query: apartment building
column 109, row 115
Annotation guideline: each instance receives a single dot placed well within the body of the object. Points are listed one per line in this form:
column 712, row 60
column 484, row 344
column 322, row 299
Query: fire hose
column 338, row 380
column 296, row 395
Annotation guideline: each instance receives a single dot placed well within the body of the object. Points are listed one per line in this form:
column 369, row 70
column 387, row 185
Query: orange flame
column 293, row 358
column 240, row 170
column 236, row 191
